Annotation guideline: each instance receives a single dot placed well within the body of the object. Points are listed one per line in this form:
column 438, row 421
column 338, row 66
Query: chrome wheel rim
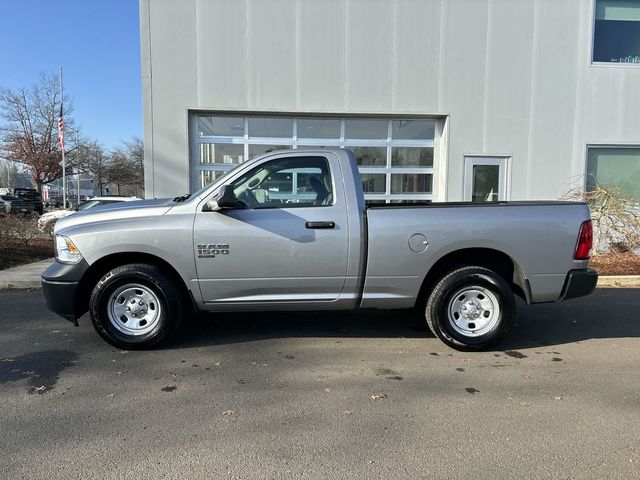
column 473, row 311
column 134, row 309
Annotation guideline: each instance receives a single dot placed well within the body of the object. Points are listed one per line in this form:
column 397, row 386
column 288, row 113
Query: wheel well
column 499, row 262
column 105, row 264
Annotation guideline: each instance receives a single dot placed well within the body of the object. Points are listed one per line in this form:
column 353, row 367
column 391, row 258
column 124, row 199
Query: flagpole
column 64, row 165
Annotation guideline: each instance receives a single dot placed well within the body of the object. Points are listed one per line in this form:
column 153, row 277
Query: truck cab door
column 286, row 242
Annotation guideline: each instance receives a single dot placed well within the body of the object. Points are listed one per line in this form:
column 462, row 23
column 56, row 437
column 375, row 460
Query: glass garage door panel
column 413, row 129
column 221, row 153
column 370, row 156
column 210, row 176
column 412, row 157
column 319, row 128
column 256, row 150
column 374, row 182
column 366, row 129
column 270, row 127
column 411, row 183
column 217, row 126
column 395, row 156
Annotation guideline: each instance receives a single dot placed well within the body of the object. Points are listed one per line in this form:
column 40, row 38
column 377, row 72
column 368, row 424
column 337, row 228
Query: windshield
column 88, row 204
column 25, row 193
column 206, row 187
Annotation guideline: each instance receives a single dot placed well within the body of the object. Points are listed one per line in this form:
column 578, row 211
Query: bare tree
column 29, row 132
column 92, row 159
column 126, row 168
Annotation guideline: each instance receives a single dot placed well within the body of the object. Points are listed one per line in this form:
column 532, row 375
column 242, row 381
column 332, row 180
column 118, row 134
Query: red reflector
column 585, row 241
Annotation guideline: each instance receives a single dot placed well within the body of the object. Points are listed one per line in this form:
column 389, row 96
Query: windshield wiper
column 182, row 198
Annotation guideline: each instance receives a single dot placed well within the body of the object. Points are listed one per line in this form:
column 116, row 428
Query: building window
column 618, row 167
column 616, row 33
column 395, row 156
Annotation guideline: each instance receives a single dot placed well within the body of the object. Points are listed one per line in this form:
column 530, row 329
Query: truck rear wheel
column 471, row 308
column 136, row 306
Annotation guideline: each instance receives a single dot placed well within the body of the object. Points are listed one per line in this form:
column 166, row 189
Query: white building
column 439, row 99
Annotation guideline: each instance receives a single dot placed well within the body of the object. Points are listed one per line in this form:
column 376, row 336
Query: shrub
column 23, row 228
column 616, row 218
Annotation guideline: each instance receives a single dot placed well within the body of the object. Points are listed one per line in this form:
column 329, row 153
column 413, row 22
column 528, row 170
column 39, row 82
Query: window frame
column 592, row 38
column 503, row 162
column 588, row 146
column 286, row 206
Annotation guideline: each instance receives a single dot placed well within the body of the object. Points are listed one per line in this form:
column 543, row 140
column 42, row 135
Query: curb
column 20, row 285
column 619, row 281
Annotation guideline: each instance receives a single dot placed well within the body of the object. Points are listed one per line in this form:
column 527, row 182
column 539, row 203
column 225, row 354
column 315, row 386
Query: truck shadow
column 607, row 313
column 227, row 328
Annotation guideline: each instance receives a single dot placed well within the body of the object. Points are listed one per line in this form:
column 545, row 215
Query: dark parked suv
column 31, row 195
column 15, row 204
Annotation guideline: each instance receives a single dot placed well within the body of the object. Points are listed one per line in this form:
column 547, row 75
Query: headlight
column 66, row 251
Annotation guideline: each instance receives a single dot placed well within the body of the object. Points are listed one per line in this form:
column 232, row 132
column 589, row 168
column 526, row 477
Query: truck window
column 287, row 183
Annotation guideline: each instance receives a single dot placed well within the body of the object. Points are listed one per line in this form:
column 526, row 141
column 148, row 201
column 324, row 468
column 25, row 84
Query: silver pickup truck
column 291, row 231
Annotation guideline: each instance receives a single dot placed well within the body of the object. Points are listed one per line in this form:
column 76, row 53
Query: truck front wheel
column 471, row 308
column 136, row 306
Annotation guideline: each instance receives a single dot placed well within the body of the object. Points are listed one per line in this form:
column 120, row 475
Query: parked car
column 15, row 204
column 139, row 267
column 32, row 195
column 48, row 220
column 53, row 201
column 3, row 209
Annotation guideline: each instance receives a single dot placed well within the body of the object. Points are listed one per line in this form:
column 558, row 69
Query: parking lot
column 324, row 395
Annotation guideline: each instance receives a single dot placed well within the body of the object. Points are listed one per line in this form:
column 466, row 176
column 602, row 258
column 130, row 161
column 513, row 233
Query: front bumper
column 60, row 287
column 579, row 283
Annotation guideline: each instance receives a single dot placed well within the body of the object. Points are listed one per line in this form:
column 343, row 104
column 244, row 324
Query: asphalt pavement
column 324, row 395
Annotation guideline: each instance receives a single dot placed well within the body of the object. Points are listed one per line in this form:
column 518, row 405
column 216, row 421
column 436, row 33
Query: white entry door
column 486, row 179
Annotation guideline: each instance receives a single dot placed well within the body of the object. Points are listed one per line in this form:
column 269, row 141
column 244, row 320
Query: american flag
column 61, row 129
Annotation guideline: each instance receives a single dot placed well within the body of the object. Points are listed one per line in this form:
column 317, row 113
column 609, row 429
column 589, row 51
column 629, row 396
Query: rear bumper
column 60, row 287
column 579, row 283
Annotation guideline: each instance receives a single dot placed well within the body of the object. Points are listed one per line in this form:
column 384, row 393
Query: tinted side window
column 287, row 183
column 616, row 36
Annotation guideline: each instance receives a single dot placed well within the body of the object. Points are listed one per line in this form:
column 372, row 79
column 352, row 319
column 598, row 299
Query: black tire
column 457, row 288
column 150, row 280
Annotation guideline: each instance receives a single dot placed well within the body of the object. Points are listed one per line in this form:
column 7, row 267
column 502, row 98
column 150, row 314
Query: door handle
column 320, row 225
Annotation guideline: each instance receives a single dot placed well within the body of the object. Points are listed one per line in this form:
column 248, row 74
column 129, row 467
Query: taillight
column 585, row 241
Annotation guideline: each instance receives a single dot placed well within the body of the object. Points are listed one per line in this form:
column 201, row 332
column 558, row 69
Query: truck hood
column 116, row 211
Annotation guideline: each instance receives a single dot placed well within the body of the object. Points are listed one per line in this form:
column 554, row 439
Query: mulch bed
column 616, row 264
column 18, row 253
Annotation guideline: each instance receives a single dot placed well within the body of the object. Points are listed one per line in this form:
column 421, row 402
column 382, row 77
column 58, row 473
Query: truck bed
column 539, row 236
column 429, row 204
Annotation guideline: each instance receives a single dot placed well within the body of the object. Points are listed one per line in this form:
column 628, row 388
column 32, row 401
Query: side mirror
column 226, row 199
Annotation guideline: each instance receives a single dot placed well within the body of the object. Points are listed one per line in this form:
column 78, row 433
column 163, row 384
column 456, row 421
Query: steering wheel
column 249, row 199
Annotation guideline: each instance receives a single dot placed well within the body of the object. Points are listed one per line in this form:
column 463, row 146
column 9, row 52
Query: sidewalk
column 24, row 276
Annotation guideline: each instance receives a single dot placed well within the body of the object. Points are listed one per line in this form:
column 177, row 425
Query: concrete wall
column 513, row 77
